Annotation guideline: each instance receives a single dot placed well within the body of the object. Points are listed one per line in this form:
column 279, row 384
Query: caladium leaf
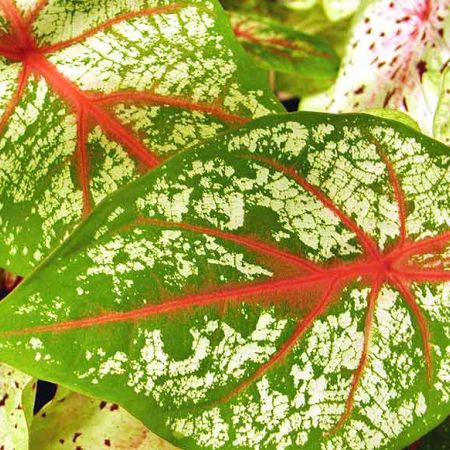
column 442, row 118
column 340, row 9
column 16, row 407
column 394, row 115
column 17, row 391
column 298, row 5
column 335, row 9
column 284, row 49
column 396, row 58
column 281, row 286
column 73, row 420
column 92, row 96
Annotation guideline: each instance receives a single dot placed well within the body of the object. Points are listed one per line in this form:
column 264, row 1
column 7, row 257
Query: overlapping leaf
column 397, row 57
column 93, row 94
column 282, row 286
column 72, row 420
column 340, row 9
column 335, row 9
column 16, row 408
column 284, row 49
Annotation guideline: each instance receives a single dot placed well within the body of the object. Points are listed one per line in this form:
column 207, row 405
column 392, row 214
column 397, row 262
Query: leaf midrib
column 87, row 107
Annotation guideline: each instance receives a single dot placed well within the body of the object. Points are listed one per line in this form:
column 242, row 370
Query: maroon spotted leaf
column 397, row 57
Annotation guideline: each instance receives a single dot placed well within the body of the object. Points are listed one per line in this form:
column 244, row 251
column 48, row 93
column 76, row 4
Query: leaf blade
column 116, row 100
column 209, row 329
column 395, row 59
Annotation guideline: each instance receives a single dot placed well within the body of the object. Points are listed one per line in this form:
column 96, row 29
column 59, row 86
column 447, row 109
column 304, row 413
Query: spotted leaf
column 72, row 420
column 284, row 49
column 16, row 408
column 93, row 94
column 396, row 58
column 282, row 286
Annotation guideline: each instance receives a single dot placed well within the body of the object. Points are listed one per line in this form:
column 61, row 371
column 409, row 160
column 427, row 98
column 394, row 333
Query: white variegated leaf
column 95, row 93
column 283, row 286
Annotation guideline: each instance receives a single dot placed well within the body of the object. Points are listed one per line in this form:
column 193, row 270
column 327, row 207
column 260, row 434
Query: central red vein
column 189, row 301
column 246, row 241
column 81, row 101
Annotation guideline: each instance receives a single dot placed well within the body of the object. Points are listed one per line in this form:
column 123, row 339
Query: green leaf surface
column 94, row 94
column 72, row 420
column 16, row 408
column 396, row 58
column 277, row 47
column 394, row 115
column 282, row 286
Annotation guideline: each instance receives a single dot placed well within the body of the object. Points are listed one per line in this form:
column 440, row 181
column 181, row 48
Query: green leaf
column 94, row 95
column 74, row 420
column 299, row 5
column 395, row 59
column 340, row 9
column 16, row 408
column 282, row 286
column 284, row 49
column 441, row 128
column 335, row 10
column 394, row 115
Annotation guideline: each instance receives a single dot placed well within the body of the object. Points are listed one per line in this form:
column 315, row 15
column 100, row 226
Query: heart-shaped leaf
column 284, row 49
column 93, row 95
column 282, row 286
column 72, row 420
column 396, row 58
